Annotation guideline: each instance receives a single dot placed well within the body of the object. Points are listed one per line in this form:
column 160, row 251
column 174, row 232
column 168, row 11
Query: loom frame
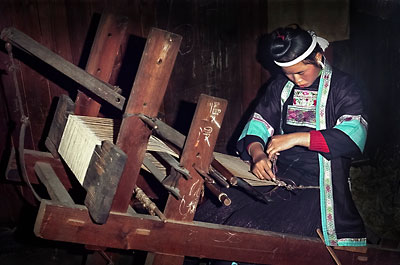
column 180, row 236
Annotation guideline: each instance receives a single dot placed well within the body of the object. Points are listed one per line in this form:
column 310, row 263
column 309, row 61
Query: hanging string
column 24, row 123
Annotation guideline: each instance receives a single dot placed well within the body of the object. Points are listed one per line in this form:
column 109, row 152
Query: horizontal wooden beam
column 31, row 158
column 100, row 88
column 196, row 239
column 53, row 185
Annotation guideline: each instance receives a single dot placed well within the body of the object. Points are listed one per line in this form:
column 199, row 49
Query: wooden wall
column 217, row 56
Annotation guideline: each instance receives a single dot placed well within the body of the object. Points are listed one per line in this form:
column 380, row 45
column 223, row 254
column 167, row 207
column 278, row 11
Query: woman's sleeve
column 317, row 142
column 347, row 138
column 263, row 122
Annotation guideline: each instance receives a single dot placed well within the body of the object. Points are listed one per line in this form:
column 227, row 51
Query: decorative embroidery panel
column 259, row 118
column 352, row 242
column 355, row 127
column 305, row 98
column 299, row 116
column 284, row 96
column 330, row 230
column 302, row 112
column 326, row 191
column 353, row 117
column 259, row 127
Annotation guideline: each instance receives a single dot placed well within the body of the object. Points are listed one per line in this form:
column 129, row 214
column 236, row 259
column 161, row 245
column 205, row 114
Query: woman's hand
column 262, row 166
column 283, row 142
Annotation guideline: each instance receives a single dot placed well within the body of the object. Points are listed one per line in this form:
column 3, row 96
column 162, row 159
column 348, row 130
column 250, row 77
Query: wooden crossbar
column 195, row 239
column 53, row 185
column 102, row 89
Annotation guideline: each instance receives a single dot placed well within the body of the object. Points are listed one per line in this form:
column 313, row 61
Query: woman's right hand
column 262, row 166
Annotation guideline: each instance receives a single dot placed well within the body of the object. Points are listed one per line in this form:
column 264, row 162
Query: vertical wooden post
column 105, row 49
column 146, row 96
column 197, row 152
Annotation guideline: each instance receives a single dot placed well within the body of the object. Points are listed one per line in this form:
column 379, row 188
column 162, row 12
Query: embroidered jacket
column 333, row 106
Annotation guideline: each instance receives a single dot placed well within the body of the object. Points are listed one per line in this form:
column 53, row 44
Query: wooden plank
column 53, row 185
column 102, row 178
column 153, row 73
column 146, row 96
column 31, row 158
column 98, row 87
column 106, row 47
column 198, row 152
column 65, row 107
column 197, row 239
column 136, row 135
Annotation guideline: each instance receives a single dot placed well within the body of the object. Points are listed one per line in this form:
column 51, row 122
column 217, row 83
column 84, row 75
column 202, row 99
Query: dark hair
column 286, row 44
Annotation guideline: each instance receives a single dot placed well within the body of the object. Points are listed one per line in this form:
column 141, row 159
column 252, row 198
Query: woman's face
column 302, row 74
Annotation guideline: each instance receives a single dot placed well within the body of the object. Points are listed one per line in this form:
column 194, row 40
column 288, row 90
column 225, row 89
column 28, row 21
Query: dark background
column 217, row 57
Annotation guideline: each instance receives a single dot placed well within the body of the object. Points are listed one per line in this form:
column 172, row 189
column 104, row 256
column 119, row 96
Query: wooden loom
column 119, row 226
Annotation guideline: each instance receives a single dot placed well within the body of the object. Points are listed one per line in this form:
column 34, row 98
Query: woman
column 304, row 132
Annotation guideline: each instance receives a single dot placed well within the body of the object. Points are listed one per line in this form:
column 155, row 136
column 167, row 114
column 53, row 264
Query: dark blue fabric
column 294, row 212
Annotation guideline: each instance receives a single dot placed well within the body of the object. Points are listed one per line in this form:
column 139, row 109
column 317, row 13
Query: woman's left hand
column 283, row 142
